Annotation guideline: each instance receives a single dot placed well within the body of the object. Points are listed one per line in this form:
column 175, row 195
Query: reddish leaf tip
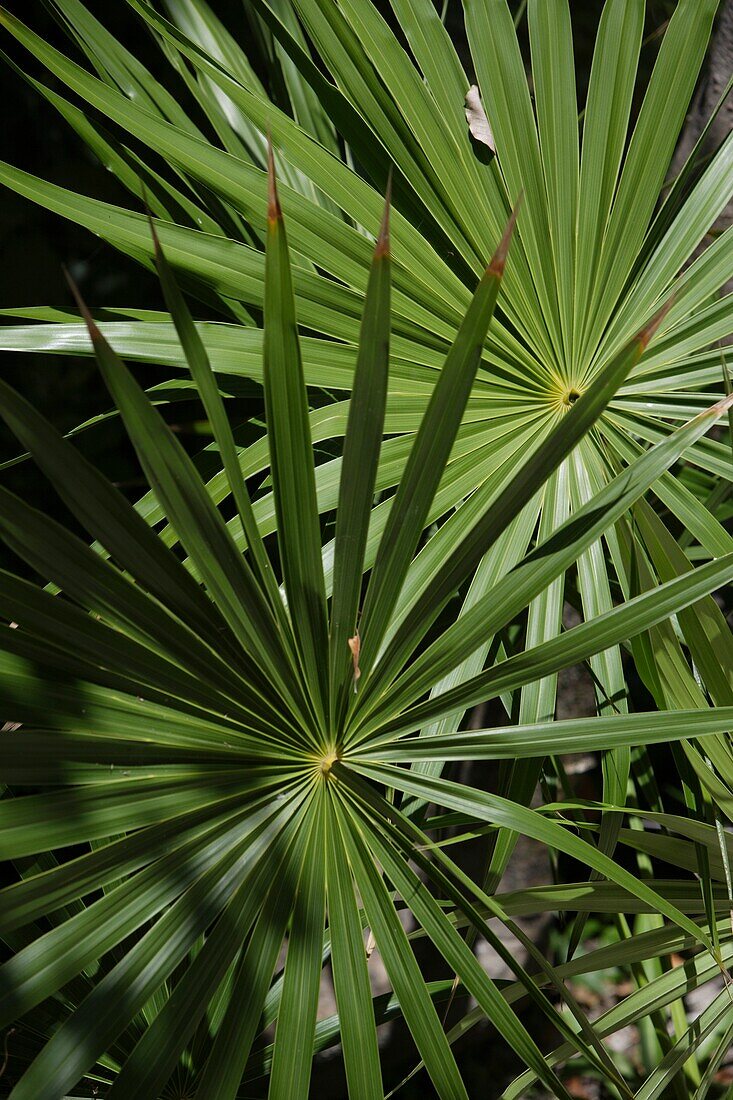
column 274, row 211
column 89, row 321
column 648, row 331
column 498, row 260
column 382, row 247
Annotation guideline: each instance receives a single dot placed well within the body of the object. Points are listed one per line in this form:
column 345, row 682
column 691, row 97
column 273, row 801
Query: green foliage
column 233, row 729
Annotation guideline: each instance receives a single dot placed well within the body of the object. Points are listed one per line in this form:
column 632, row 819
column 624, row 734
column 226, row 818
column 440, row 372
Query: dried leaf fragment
column 476, row 118
column 355, row 647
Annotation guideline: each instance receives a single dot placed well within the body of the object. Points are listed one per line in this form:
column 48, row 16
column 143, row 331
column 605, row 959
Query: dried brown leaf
column 476, row 118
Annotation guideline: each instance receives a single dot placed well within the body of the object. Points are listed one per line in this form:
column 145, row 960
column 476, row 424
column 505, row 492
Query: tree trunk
column 716, row 74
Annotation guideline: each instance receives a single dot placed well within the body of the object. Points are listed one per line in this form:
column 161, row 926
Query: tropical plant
column 227, row 737
column 253, row 739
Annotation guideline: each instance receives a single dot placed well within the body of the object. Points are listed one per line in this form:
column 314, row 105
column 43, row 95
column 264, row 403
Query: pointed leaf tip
column 648, row 331
column 89, row 321
column 498, row 260
column 382, row 246
column 274, row 211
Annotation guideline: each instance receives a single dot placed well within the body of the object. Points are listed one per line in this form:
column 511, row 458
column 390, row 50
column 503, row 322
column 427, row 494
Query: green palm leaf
column 291, row 452
column 196, row 791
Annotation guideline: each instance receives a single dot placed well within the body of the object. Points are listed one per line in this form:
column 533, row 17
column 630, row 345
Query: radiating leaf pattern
column 234, row 720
